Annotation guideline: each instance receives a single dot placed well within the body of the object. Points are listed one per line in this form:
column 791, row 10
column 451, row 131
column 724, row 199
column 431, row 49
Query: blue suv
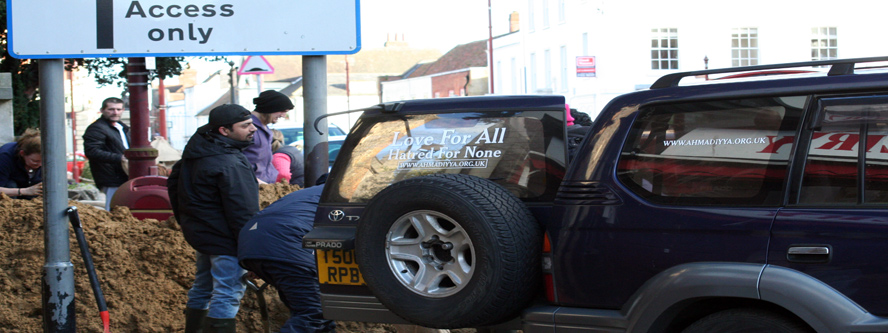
column 755, row 203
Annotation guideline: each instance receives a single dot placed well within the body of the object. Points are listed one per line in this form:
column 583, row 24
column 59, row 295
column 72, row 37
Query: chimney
column 396, row 42
column 188, row 78
column 513, row 22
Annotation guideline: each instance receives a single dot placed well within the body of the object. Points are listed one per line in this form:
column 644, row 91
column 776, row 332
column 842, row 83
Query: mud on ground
column 145, row 269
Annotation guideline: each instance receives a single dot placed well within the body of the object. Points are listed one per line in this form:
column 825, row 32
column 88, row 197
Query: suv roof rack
column 837, row 67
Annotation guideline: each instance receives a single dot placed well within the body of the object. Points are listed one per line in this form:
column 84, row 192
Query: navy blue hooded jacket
column 276, row 232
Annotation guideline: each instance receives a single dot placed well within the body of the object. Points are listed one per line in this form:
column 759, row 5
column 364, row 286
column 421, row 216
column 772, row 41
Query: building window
column 561, row 11
column 545, row 14
column 563, row 56
column 498, row 83
column 824, row 43
column 548, row 70
column 744, row 47
column 664, row 48
column 530, row 16
column 514, row 74
column 533, row 72
column 585, row 44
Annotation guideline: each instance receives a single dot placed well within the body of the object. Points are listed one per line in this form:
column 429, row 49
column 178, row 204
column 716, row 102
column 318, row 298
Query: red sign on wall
column 586, row 66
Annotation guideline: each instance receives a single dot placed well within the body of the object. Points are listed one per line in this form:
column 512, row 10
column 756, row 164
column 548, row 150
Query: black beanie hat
column 271, row 101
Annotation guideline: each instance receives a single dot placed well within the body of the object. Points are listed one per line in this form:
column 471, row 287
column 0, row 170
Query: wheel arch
column 683, row 314
column 822, row 307
column 663, row 297
column 679, row 294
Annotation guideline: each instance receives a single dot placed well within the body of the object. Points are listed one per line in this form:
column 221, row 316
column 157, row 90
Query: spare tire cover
column 449, row 251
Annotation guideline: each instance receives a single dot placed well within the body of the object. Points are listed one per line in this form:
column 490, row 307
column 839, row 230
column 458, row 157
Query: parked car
column 293, row 133
column 78, row 158
column 742, row 204
column 334, row 143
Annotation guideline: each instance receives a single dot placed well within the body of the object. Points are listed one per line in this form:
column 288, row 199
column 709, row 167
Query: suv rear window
column 712, row 153
column 509, row 148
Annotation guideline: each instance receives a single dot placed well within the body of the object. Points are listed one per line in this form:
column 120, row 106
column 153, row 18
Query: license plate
column 338, row 267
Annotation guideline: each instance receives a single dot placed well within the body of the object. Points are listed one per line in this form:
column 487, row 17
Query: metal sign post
column 314, row 93
column 45, row 29
column 58, row 271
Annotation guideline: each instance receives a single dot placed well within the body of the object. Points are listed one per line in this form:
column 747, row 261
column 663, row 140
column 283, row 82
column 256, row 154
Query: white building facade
column 623, row 46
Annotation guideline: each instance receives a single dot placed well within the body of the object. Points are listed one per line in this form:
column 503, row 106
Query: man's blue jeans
column 109, row 193
column 217, row 285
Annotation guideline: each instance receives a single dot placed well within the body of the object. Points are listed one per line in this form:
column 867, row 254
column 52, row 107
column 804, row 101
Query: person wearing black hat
column 214, row 192
column 270, row 106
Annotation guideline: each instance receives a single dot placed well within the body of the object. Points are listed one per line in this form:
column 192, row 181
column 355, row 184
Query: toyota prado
column 757, row 202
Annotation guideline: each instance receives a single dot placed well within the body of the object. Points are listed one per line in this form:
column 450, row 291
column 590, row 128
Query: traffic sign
column 256, row 65
column 157, row 28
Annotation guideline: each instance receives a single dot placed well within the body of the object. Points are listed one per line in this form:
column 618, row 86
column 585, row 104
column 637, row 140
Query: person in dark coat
column 213, row 193
column 21, row 162
column 104, row 142
column 270, row 245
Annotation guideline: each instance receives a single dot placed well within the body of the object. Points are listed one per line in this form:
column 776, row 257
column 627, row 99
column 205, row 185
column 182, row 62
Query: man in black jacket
column 214, row 192
column 104, row 142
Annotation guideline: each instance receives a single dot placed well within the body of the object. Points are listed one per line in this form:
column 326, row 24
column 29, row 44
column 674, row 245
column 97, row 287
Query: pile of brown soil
column 144, row 267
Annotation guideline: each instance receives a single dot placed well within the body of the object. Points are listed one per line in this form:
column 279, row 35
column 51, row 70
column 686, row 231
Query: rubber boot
column 194, row 320
column 216, row 325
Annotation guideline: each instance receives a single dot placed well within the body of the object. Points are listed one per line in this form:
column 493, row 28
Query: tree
column 25, row 75
column 113, row 70
column 26, row 111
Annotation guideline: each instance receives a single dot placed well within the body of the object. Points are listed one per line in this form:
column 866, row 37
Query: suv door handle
column 809, row 254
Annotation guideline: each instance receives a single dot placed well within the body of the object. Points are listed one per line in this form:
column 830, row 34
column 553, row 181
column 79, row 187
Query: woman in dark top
column 20, row 166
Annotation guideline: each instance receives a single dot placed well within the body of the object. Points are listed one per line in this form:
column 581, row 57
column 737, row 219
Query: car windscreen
column 524, row 151
column 335, row 130
column 333, row 150
column 294, row 134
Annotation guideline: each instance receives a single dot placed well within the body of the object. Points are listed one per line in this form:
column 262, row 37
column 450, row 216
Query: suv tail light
column 548, row 281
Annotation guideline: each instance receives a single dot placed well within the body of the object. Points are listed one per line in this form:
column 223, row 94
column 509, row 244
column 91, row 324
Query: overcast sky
column 432, row 24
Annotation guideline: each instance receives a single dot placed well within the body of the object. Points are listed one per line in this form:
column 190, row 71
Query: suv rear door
column 836, row 228
column 698, row 182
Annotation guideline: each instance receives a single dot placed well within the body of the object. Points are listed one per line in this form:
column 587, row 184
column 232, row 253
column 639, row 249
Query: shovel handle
column 74, row 217
column 263, row 307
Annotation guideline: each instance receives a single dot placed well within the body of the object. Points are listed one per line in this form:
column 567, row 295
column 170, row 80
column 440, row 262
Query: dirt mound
column 145, row 269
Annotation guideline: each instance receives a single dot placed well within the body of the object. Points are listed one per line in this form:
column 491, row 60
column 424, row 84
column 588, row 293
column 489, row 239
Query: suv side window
column 509, row 149
column 836, row 170
column 730, row 152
